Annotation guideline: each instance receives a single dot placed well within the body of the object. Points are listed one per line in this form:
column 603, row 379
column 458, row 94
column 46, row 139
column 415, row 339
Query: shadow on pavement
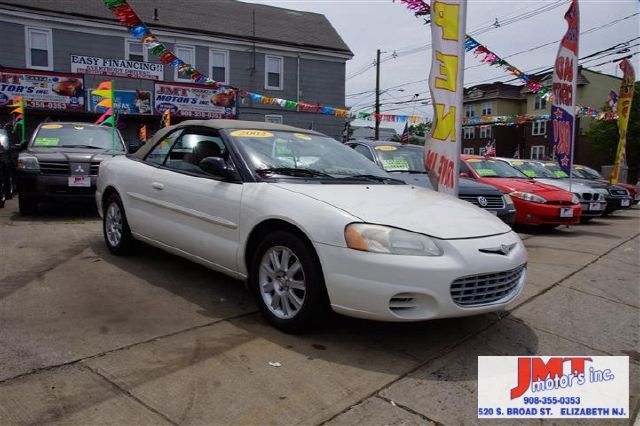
column 60, row 212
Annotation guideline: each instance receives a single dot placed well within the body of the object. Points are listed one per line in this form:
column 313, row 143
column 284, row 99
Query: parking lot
column 87, row 338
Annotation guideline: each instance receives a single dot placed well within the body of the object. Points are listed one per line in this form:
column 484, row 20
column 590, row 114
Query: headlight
column 383, row 239
column 28, row 162
column 528, row 197
column 507, row 200
column 575, row 199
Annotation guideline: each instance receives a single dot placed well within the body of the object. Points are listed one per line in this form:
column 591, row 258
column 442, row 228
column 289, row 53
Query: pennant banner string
column 128, row 17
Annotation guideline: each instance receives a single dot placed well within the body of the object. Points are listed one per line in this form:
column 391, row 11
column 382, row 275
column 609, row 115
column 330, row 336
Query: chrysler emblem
column 503, row 249
column 482, row 201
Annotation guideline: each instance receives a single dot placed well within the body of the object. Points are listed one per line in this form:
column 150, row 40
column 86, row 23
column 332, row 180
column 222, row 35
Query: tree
column 604, row 137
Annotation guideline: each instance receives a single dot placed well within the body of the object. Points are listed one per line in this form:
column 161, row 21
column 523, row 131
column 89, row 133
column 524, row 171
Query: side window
column 364, row 150
column 192, row 147
column 159, row 152
column 465, row 169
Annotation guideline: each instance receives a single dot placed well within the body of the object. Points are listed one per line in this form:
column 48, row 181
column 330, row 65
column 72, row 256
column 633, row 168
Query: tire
column 585, row 219
column 292, row 301
column 27, row 206
column 2, row 195
column 115, row 228
column 9, row 187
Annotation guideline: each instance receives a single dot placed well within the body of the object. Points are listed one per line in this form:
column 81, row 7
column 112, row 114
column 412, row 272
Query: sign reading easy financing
column 188, row 100
column 43, row 90
column 116, row 67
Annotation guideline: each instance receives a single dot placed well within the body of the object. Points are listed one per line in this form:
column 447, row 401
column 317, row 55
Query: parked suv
column 61, row 163
column 406, row 162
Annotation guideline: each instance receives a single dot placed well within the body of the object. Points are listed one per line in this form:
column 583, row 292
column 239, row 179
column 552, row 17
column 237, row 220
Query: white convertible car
column 309, row 223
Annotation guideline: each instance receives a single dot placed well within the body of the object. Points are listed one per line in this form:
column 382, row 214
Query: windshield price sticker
column 251, row 134
column 46, row 141
column 553, row 387
column 486, row 172
column 529, row 172
column 52, row 126
column 391, row 165
column 560, row 173
column 385, row 148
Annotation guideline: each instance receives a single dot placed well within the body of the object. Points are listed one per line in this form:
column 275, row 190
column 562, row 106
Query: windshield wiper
column 81, row 146
column 292, row 171
column 376, row 178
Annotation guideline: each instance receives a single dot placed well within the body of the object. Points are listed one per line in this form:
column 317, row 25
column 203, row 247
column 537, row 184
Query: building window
column 219, row 61
column 276, row 119
column 468, row 111
column 539, row 128
column 188, row 55
column 539, row 102
column 485, row 131
column 486, row 108
column 135, row 51
column 273, row 72
column 469, row 132
column 537, row 152
column 469, row 151
column 39, row 46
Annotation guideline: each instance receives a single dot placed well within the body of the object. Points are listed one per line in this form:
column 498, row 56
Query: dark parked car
column 406, row 162
column 8, row 157
column 61, row 163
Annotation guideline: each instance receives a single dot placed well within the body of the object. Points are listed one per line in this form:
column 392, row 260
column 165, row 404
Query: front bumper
column 41, row 187
column 413, row 288
column 529, row 213
column 593, row 208
column 618, row 202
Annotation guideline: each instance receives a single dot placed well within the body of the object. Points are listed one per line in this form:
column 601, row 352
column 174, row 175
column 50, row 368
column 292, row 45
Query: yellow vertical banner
column 624, row 110
column 442, row 150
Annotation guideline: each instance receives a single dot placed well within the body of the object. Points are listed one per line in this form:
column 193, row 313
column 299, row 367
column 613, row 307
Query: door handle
column 157, row 185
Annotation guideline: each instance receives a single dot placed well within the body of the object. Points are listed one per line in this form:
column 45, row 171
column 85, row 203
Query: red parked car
column 536, row 203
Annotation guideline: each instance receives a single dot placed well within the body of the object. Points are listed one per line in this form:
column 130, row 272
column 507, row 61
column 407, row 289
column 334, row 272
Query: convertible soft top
column 220, row 124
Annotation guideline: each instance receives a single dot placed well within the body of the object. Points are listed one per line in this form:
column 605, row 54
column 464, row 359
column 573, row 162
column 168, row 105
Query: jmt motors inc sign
column 42, row 89
column 116, row 67
column 553, row 387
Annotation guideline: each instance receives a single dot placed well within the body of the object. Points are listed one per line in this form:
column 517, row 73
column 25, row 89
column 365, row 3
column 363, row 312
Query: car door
column 201, row 212
column 144, row 212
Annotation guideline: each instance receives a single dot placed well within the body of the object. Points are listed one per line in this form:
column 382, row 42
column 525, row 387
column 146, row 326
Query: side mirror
column 464, row 174
column 133, row 147
column 215, row 166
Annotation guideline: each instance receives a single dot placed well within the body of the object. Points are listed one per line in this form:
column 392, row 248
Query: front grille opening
column 484, row 289
column 402, row 302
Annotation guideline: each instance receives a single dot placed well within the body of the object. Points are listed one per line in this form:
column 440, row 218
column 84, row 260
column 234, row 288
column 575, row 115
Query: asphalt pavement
column 89, row 338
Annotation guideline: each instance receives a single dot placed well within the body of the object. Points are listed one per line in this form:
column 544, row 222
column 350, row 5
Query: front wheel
column 115, row 227
column 26, row 205
column 287, row 281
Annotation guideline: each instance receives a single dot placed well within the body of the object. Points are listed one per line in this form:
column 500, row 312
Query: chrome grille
column 484, row 289
column 493, row 201
column 54, row 167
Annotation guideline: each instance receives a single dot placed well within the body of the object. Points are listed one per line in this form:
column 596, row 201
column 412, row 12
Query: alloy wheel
column 282, row 282
column 113, row 224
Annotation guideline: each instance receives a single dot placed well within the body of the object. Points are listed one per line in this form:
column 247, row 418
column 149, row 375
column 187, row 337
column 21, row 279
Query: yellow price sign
column 251, row 134
column 385, row 148
column 302, row 136
column 52, row 126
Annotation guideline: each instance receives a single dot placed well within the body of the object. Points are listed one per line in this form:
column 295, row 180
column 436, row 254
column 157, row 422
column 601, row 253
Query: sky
column 367, row 25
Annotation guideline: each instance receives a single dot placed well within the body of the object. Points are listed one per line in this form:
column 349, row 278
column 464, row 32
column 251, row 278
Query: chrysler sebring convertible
column 309, row 224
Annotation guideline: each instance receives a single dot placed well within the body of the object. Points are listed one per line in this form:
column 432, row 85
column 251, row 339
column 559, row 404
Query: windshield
column 556, row 170
column 533, row 170
column 66, row 135
column 493, row 169
column 587, row 172
column 302, row 155
column 401, row 158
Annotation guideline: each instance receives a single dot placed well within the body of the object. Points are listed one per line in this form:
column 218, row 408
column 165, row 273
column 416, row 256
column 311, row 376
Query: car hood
column 564, row 184
column 470, row 187
column 74, row 155
column 403, row 206
column 508, row 185
column 417, row 179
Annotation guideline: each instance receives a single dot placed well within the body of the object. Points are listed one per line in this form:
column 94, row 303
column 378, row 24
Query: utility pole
column 377, row 134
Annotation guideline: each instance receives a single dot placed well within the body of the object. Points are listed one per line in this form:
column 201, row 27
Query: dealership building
column 56, row 52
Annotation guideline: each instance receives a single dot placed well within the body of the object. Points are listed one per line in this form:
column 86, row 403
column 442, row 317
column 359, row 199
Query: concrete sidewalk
column 86, row 338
